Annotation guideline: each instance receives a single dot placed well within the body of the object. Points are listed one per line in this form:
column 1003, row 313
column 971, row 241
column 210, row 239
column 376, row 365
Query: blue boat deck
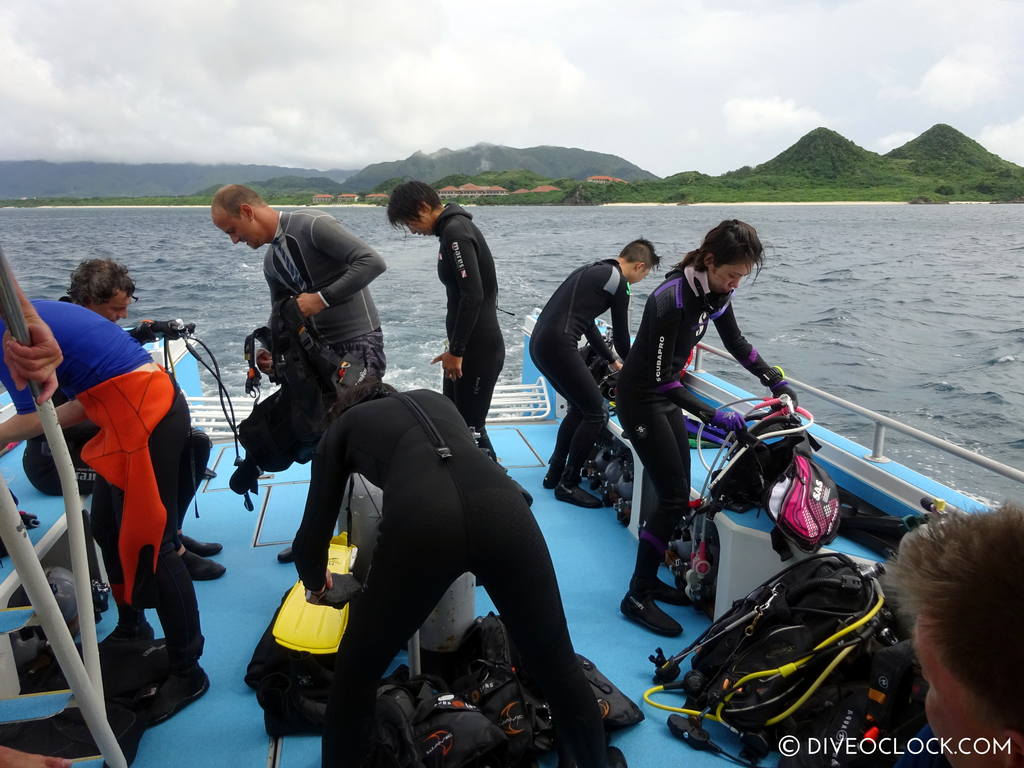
column 593, row 556
column 592, row 552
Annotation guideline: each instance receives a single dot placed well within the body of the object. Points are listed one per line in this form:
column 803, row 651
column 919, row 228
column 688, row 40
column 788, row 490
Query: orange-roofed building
column 471, row 190
column 323, row 198
column 348, row 197
column 545, row 188
column 520, row 191
column 377, row 197
column 606, row 180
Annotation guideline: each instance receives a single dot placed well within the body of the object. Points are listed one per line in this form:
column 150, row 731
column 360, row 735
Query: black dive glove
column 245, row 480
column 775, row 379
column 344, row 587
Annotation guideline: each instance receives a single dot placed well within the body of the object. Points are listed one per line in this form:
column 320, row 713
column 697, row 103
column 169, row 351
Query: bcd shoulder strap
column 440, row 447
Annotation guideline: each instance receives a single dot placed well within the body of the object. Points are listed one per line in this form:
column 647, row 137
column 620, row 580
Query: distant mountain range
column 550, row 162
column 38, row 178
column 939, row 165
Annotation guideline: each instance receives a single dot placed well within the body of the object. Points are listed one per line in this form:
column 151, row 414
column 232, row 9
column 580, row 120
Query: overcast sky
column 670, row 86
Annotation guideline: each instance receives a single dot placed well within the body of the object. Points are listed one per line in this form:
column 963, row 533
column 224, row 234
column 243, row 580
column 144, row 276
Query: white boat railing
column 510, row 403
column 520, row 402
column 881, row 423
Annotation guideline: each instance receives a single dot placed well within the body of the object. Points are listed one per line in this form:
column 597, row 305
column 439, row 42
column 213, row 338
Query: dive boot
column 642, row 609
column 201, row 569
column 576, row 495
column 131, row 633
column 664, row 593
column 553, row 477
column 176, row 692
column 201, row 548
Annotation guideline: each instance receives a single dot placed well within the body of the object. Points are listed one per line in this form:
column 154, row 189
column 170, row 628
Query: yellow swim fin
column 302, row 626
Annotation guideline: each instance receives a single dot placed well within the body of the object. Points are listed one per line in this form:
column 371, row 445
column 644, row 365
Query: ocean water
column 912, row 311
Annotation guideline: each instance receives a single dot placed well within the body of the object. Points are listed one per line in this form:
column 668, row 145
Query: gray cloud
column 671, row 86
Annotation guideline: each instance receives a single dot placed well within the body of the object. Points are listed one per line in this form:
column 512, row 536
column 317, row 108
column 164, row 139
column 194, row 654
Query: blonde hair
column 962, row 574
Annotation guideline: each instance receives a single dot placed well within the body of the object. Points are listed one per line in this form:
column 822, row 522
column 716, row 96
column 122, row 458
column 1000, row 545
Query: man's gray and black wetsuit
column 466, row 268
column 439, row 519
column 588, row 292
column 313, row 253
column 649, row 395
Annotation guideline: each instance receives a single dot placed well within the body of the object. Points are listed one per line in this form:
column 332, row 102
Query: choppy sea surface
column 912, row 311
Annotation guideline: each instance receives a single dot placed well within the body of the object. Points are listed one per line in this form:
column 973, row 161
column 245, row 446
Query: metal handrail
column 881, row 423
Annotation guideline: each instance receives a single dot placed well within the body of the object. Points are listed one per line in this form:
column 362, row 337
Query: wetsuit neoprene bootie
column 201, row 548
column 201, row 569
column 554, row 474
column 641, row 609
column 660, row 591
column 176, row 692
column 125, row 632
column 576, row 495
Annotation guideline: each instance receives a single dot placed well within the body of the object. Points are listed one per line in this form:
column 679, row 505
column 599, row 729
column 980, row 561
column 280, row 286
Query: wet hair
column 406, row 198
column 731, row 242
column 961, row 575
column 366, row 390
column 95, row 281
column 232, row 197
column 641, row 250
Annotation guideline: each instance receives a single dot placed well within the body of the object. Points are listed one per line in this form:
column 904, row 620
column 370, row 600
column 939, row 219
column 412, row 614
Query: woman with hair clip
column 463, row 509
column 650, row 394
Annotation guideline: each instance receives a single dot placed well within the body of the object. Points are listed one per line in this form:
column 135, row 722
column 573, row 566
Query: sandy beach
column 830, row 202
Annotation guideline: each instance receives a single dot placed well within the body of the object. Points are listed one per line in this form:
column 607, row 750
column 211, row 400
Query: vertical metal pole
column 413, row 651
column 878, row 447
column 698, row 359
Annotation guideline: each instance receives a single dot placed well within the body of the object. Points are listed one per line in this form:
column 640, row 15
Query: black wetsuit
column 466, row 268
column 439, row 520
column 569, row 314
column 649, row 394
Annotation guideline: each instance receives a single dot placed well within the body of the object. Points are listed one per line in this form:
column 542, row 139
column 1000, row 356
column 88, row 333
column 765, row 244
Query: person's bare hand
column 36, row 361
column 451, row 364
column 264, row 360
column 310, row 304
column 13, row 758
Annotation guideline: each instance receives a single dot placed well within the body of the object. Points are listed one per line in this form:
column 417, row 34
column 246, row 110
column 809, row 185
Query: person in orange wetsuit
column 143, row 422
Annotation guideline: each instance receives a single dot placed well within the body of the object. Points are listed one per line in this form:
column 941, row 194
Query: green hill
column 942, row 150
column 824, row 155
column 545, row 161
column 942, row 164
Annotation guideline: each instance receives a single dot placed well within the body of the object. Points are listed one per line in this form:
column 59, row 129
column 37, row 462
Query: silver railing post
column 877, row 454
column 698, row 360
